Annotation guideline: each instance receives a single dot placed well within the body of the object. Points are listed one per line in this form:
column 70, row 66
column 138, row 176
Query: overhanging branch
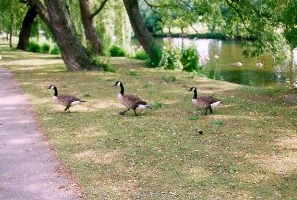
column 99, row 9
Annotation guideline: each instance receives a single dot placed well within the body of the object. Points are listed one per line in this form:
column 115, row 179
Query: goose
column 260, row 64
column 129, row 101
column 206, row 102
column 65, row 100
column 238, row 64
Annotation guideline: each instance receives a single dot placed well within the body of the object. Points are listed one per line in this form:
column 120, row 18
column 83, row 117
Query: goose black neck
column 56, row 91
column 195, row 94
column 122, row 89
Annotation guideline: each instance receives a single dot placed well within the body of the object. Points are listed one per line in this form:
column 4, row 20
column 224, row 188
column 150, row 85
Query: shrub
column 103, row 63
column 55, row 50
column 34, row 47
column 141, row 55
column 116, row 51
column 157, row 57
column 171, row 59
column 45, row 48
column 190, row 59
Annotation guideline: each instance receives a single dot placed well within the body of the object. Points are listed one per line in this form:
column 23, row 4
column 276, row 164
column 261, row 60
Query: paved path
column 27, row 165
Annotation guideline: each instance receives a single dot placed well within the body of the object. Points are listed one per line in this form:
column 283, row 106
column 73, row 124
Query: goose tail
column 142, row 106
column 215, row 104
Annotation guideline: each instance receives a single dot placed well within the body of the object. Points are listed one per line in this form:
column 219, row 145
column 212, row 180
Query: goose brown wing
column 132, row 98
column 67, row 99
column 213, row 100
column 208, row 99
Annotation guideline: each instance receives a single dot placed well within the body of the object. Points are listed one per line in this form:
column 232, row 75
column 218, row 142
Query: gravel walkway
column 28, row 167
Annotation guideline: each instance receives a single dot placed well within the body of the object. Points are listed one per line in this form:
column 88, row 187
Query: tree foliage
column 268, row 26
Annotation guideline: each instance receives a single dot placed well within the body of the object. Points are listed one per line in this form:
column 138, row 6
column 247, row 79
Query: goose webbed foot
column 123, row 112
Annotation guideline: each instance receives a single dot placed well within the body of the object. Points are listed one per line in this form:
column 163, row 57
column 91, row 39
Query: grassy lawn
column 248, row 149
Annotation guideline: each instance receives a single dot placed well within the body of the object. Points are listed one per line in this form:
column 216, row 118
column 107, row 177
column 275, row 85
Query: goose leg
column 135, row 112
column 205, row 112
column 67, row 108
column 210, row 110
column 123, row 112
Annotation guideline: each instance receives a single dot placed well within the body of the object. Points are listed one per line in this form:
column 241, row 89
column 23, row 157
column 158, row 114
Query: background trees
column 12, row 13
column 96, row 25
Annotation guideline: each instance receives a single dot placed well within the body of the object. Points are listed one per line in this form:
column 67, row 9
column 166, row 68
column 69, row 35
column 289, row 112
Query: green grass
column 247, row 149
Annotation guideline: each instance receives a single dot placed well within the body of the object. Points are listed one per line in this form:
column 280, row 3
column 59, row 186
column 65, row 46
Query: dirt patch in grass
column 97, row 156
column 284, row 160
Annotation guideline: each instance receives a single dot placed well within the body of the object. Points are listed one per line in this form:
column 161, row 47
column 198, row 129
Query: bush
column 116, row 51
column 157, row 57
column 55, row 50
column 103, row 63
column 38, row 47
column 190, row 59
column 34, row 47
column 171, row 59
column 141, row 55
column 45, row 48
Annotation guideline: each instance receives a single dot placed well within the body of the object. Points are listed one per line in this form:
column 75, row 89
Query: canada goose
column 206, row 102
column 129, row 101
column 260, row 64
column 65, row 100
column 238, row 64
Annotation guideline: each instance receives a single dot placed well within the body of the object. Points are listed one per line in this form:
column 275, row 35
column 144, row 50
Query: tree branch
column 239, row 13
column 99, row 9
column 40, row 9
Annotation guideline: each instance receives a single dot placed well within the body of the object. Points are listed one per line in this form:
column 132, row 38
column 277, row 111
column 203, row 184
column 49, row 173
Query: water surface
column 219, row 60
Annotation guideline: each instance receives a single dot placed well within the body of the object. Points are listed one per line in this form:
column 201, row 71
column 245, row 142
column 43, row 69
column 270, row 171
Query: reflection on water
column 220, row 61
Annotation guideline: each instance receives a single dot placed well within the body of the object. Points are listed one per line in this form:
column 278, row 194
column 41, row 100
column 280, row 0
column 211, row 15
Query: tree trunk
column 25, row 32
column 90, row 31
column 147, row 41
column 73, row 53
column 11, row 29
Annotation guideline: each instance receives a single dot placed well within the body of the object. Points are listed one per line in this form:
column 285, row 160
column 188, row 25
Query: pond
column 220, row 60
